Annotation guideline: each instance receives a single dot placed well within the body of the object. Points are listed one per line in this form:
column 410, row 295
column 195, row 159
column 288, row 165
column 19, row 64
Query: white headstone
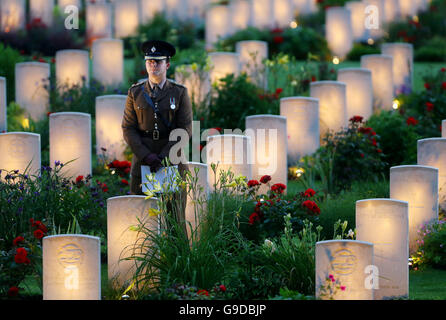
column 43, row 10
column 283, row 13
column 269, row 147
column 109, row 113
column 30, row 94
column 339, row 31
column 261, row 13
column 443, row 128
column 12, row 15
column 20, row 150
column 392, row 9
column 98, row 21
column 108, row 61
column 223, row 64
column 408, row 8
column 3, row 119
column 385, row 223
column 228, row 151
column 382, row 79
column 64, row 3
column 304, row 7
column 123, row 213
column 358, row 16
column 432, row 152
column 196, row 81
column 176, row 9
column 418, row 185
column 72, row 66
column 252, row 54
column 240, row 14
column 149, row 8
column 70, row 139
column 359, row 91
column 217, row 24
column 332, row 97
column 126, row 16
column 346, row 261
column 402, row 54
column 71, row 267
column 302, row 114
column 381, row 10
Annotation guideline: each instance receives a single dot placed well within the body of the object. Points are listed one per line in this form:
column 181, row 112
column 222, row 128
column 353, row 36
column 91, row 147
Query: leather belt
column 150, row 134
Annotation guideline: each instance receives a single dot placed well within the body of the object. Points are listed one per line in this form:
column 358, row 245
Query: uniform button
column 147, row 131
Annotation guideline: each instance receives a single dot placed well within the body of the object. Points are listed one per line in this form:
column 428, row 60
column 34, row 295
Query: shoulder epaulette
column 137, row 84
column 176, row 83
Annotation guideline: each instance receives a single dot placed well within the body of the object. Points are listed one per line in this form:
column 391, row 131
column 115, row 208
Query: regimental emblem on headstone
column 70, row 255
column 70, row 129
column 344, row 262
column 17, row 148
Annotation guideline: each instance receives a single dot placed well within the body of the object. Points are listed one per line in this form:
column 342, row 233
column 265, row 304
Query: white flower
column 351, row 234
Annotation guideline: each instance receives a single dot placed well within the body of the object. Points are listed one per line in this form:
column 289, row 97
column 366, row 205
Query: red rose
column 430, row 105
column 411, row 121
column 265, row 179
column 443, row 85
column 38, row 234
column 79, row 179
column 279, row 90
column 443, row 69
column 18, row 240
column 115, row 164
column 309, row 193
column 127, row 170
column 278, row 187
column 13, row 291
column 374, row 142
column 43, row 228
column 125, row 182
column 41, row 60
column 278, row 39
column 427, row 86
column 53, row 60
column 356, row 119
column 379, row 150
column 203, row 292
column 253, row 183
column 36, row 223
column 253, row 218
column 222, row 287
column 362, row 155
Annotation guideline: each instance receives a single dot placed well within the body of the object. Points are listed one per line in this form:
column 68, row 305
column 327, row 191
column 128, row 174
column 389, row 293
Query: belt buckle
column 155, row 135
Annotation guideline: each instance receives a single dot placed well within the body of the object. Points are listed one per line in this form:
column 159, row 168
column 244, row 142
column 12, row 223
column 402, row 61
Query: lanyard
column 155, row 109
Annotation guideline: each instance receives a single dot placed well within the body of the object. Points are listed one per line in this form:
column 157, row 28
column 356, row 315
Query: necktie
column 155, row 91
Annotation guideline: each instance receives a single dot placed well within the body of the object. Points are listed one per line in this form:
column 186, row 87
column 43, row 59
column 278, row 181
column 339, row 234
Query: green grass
column 429, row 284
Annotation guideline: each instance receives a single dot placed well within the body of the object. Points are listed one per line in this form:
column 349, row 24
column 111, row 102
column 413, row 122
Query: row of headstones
column 343, row 24
column 118, row 18
column 375, row 266
column 354, row 22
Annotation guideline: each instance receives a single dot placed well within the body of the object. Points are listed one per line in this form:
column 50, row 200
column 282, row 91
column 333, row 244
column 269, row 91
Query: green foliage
column 398, row 140
column 360, row 49
column 433, row 50
column 8, row 59
column 432, row 246
column 286, row 294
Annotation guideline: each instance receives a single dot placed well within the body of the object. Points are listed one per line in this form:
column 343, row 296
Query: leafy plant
column 8, row 59
column 432, row 245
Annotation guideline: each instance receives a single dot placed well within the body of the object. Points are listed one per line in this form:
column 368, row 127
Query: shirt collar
column 161, row 85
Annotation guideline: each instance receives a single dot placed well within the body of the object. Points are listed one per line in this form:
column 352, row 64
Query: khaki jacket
column 138, row 120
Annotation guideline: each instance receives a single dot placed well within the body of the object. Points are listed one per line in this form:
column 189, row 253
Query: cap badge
column 153, row 49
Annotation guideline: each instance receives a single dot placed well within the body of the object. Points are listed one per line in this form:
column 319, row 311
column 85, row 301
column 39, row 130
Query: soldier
column 153, row 109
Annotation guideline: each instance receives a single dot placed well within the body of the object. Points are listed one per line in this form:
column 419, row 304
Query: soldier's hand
column 152, row 159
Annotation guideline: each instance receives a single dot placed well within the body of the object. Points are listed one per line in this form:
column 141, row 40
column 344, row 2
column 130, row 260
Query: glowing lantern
column 3, row 119
column 382, row 79
column 432, row 152
column 30, row 94
column 252, row 53
column 72, row 67
column 402, row 54
column 109, row 113
column 43, row 10
column 332, row 105
column 338, row 31
column 149, row 8
column 359, row 91
column 71, row 267
column 12, row 15
column 269, row 147
column 124, row 215
column 98, row 21
column 345, row 261
column 385, row 223
column 302, row 116
column 70, row 139
column 358, row 16
column 193, row 218
column 261, row 13
column 240, row 14
column 223, row 64
column 418, row 185
column 228, row 151
column 217, row 24
column 126, row 18
column 20, row 150
column 108, row 61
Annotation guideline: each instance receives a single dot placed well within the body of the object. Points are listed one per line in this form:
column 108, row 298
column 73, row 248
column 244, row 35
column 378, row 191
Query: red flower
column 278, row 187
column 362, row 155
column 313, row 78
column 253, row 183
column 21, row 256
column 79, row 179
column 34, row 58
column 443, row 69
column 53, row 60
column 374, row 142
column 278, row 39
column 279, row 90
column 430, row 105
column 48, row 113
column 203, row 292
column 312, row 206
column 125, row 182
column 277, row 30
column 126, row 170
column 443, row 85
column 253, row 218
column 222, row 287
column 18, row 240
column 265, row 179
column 35, row 223
column 309, row 193
column 13, row 291
column 43, row 228
column 41, row 60
column 38, row 234
column 356, row 119
column 411, row 121
column 427, row 86
column 104, row 187
column 365, row 130
column 379, row 150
